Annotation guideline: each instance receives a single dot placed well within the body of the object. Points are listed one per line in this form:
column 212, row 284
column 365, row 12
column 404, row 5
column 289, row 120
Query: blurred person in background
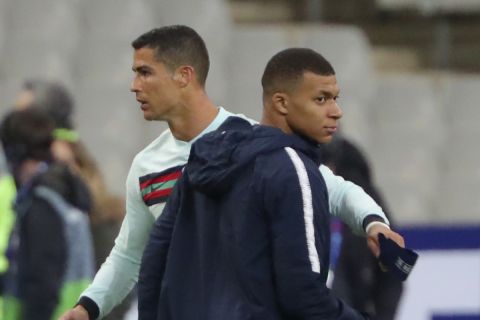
column 56, row 101
column 171, row 65
column 50, row 251
column 107, row 210
column 358, row 278
column 67, row 147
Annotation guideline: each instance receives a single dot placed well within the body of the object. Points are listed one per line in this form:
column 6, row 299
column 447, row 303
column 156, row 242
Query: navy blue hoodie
column 245, row 234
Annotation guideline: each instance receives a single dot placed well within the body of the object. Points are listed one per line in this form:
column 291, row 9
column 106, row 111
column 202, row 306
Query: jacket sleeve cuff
column 371, row 220
column 91, row 307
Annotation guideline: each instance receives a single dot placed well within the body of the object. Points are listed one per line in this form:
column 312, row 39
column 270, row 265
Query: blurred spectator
column 357, row 276
column 67, row 147
column 108, row 210
column 50, row 250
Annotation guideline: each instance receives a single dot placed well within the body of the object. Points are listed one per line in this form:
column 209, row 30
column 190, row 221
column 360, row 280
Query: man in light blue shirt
column 171, row 66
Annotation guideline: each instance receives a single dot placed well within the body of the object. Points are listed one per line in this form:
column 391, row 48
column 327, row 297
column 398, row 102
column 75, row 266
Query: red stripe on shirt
column 158, row 193
column 171, row 176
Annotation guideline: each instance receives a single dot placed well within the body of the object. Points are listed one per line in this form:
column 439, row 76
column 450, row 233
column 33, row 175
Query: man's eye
column 143, row 72
column 321, row 99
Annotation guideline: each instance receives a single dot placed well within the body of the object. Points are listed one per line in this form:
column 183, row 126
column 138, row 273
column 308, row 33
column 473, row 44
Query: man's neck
column 196, row 115
column 273, row 119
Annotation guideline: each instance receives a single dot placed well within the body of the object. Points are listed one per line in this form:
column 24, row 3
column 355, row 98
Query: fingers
column 373, row 242
column 374, row 246
column 397, row 238
column 77, row 313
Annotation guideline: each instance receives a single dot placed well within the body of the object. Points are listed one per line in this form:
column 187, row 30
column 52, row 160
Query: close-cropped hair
column 286, row 68
column 27, row 134
column 175, row 46
column 54, row 98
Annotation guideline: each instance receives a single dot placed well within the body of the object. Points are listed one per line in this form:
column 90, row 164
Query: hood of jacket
column 218, row 157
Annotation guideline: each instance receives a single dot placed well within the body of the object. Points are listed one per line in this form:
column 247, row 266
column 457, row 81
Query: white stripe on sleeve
column 307, row 208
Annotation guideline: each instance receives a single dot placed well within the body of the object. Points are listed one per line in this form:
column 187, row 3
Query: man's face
column 313, row 111
column 153, row 85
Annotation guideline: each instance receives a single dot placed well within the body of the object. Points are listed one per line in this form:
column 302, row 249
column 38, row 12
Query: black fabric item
column 40, row 258
column 371, row 218
column 90, row 306
column 395, row 259
column 2, row 281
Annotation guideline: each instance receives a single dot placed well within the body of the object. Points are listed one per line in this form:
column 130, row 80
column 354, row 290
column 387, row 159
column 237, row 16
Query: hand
column 77, row 313
column 372, row 238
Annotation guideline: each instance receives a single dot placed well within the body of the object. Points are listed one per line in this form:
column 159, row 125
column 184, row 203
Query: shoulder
column 160, row 155
column 60, row 179
column 156, row 168
column 38, row 209
column 289, row 176
column 285, row 163
column 164, row 140
column 238, row 115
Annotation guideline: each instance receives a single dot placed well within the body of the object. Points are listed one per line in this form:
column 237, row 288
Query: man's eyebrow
column 142, row 67
column 329, row 92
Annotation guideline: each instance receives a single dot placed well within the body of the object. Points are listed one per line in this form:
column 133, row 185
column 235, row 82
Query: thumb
column 374, row 246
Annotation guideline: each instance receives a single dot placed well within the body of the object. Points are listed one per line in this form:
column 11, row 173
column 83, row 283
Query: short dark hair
column 175, row 46
column 27, row 134
column 53, row 98
column 287, row 67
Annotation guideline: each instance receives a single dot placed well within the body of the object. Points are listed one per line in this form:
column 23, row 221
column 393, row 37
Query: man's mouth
column 143, row 104
column 331, row 130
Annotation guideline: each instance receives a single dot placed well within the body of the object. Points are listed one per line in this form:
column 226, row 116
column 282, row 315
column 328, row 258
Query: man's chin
column 148, row 117
column 325, row 140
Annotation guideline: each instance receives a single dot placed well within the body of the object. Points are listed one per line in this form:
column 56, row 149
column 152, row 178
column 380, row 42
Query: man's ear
column 280, row 102
column 184, row 75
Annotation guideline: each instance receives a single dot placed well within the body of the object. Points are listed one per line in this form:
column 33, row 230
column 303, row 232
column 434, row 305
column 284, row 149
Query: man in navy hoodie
column 245, row 234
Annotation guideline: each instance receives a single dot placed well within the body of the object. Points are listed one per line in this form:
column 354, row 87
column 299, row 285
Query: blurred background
column 409, row 73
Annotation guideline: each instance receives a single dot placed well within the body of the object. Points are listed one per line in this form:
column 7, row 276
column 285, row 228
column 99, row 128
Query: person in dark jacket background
column 358, row 278
column 245, row 234
column 50, row 252
column 107, row 209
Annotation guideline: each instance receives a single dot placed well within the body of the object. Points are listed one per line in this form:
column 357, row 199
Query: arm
column 155, row 257
column 350, row 203
column 119, row 273
column 358, row 210
column 43, row 269
column 296, row 205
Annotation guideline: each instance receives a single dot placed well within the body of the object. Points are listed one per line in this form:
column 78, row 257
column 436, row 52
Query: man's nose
column 336, row 112
column 134, row 85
